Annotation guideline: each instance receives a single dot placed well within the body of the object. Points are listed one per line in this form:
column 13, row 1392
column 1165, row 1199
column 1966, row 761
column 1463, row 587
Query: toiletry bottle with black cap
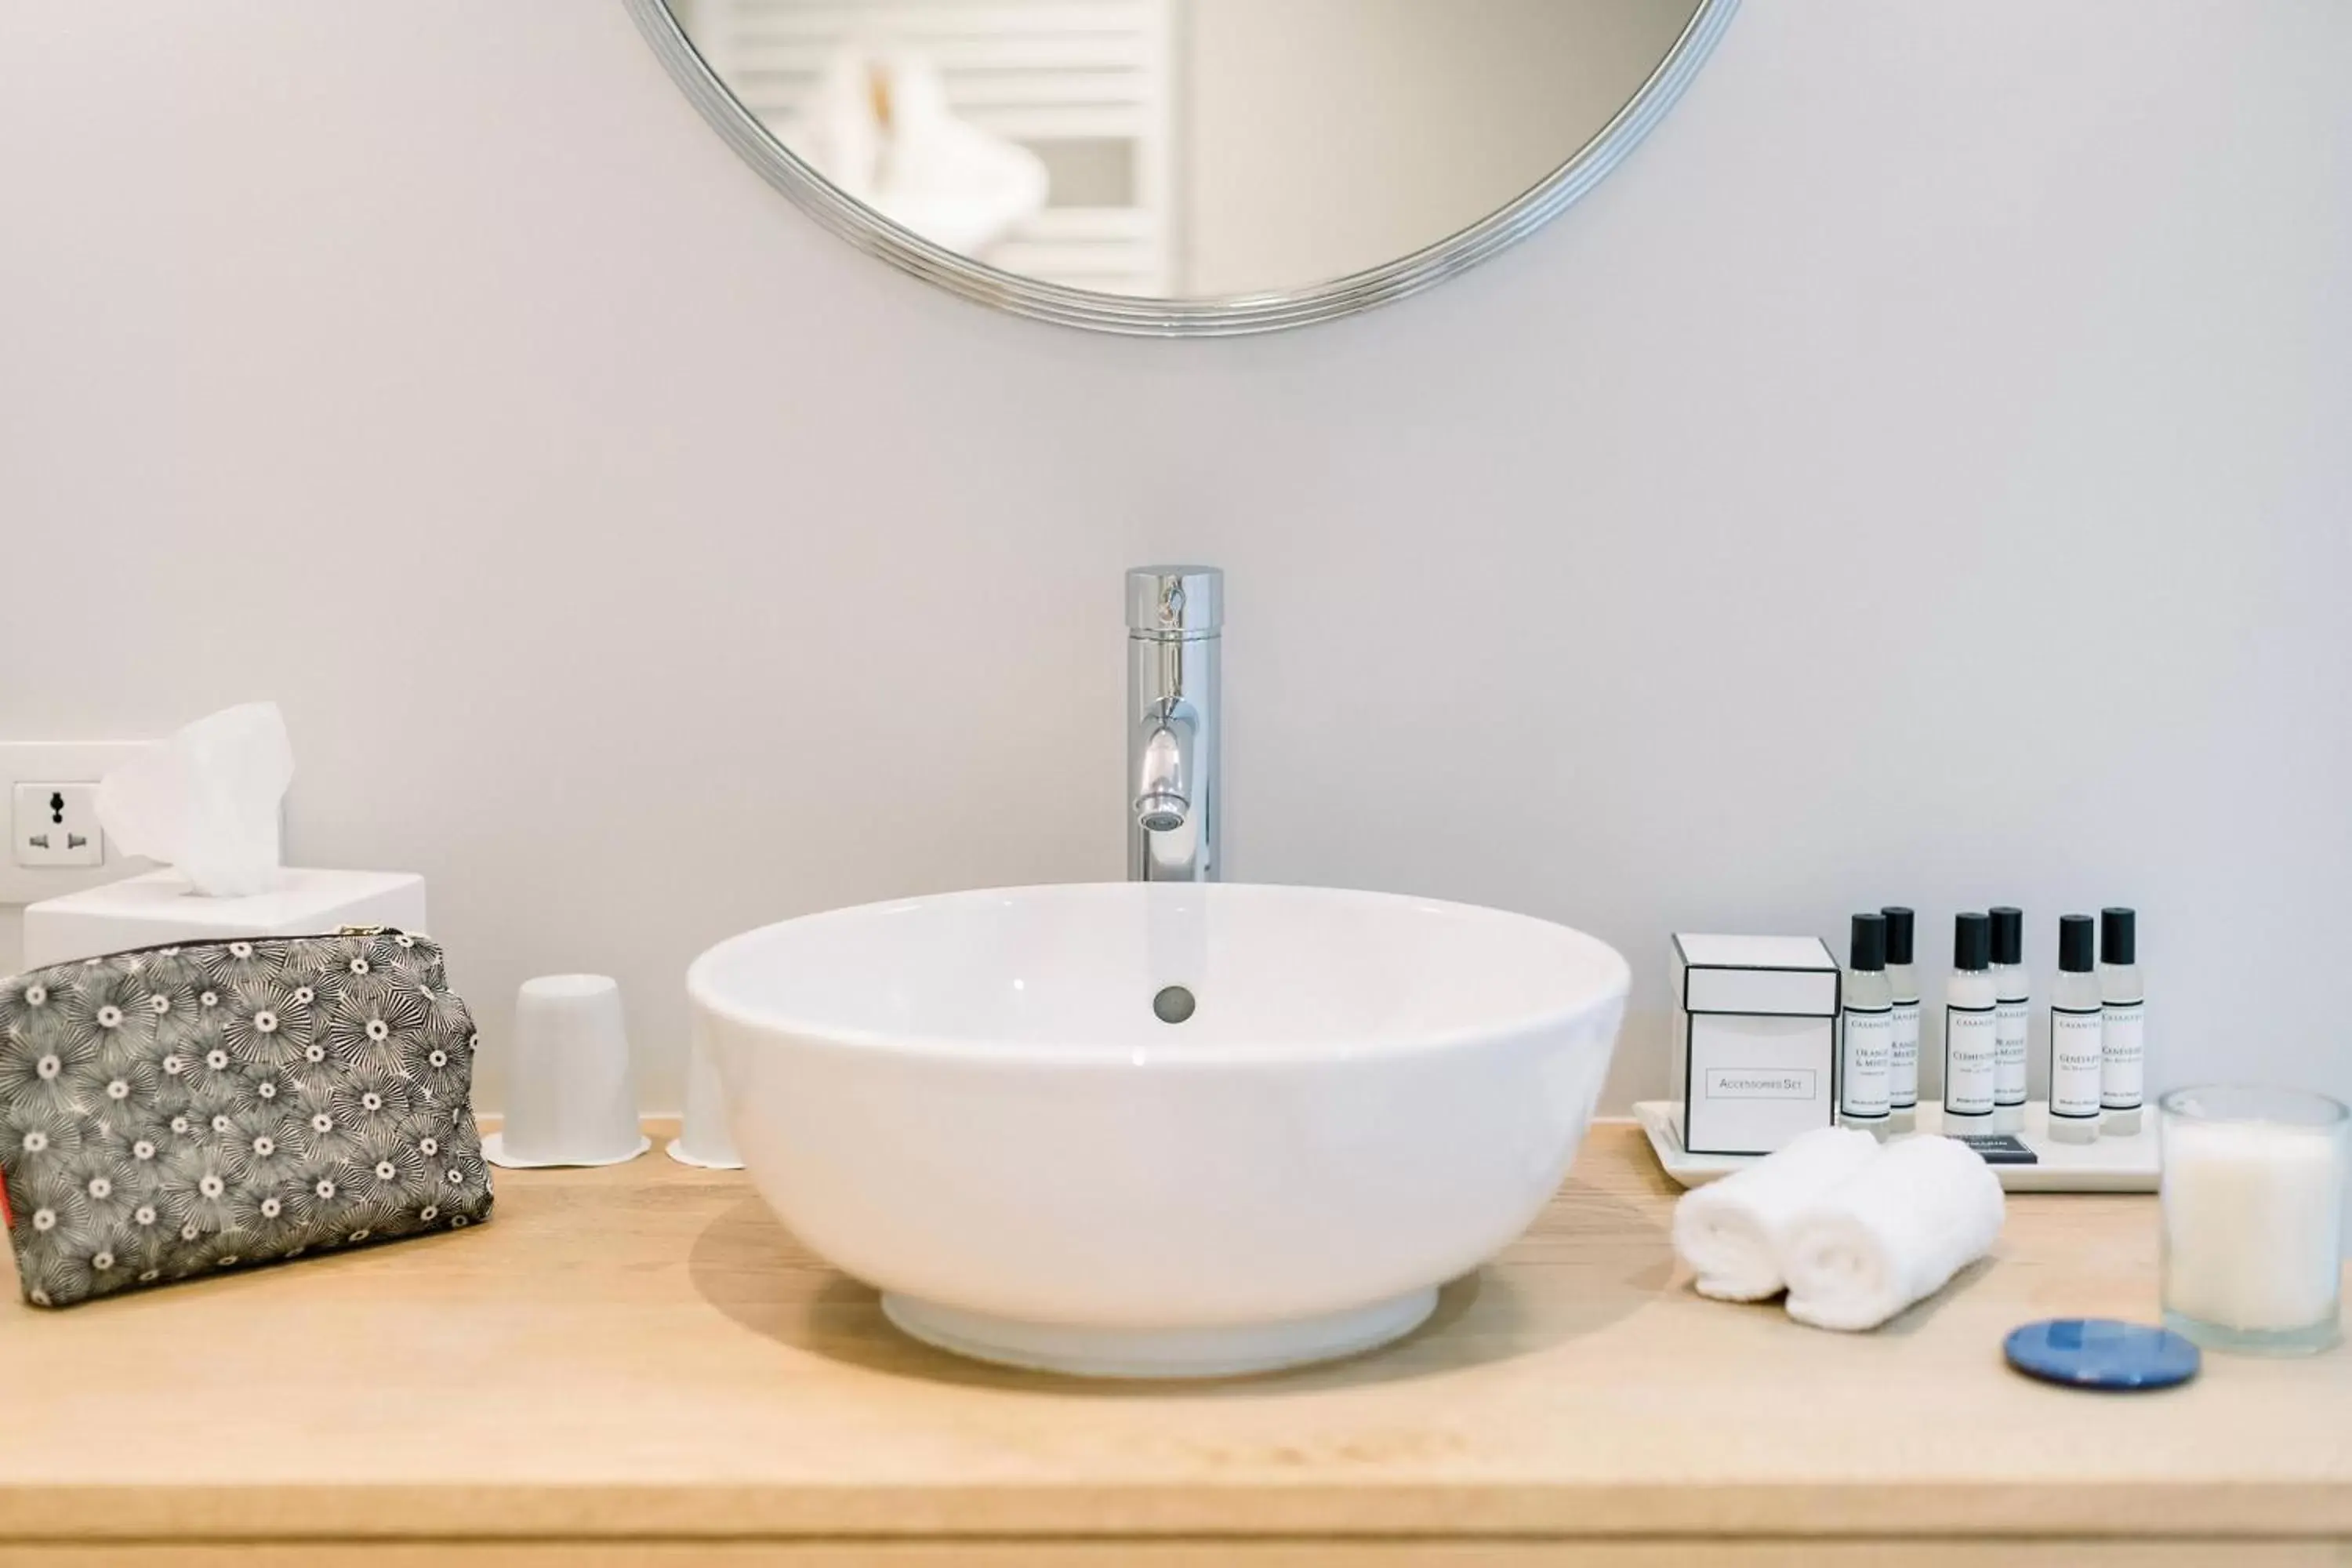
column 1903, row 1039
column 1968, row 1041
column 2010, row 989
column 2123, row 1023
column 1865, row 1024
column 2078, row 1064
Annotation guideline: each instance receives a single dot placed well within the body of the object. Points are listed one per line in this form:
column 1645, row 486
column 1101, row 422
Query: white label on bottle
column 1968, row 1054
column 2077, row 1065
column 1903, row 1058
column 2009, row 1053
column 1867, row 1042
column 2122, row 1031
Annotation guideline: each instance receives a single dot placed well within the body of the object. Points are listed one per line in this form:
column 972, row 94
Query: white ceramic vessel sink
column 973, row 1103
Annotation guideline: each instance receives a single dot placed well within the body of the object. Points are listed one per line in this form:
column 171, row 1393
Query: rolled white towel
column 1891, row 1234
column 1730, row 1231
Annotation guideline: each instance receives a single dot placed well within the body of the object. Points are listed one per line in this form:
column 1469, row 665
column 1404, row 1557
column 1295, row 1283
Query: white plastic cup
column 703, row 1140
column 571, row 1098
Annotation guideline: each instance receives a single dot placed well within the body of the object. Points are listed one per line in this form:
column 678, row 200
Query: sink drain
column 1173, row 1004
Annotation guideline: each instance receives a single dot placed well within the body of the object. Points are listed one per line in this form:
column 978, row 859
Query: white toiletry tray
column 2109, row 1165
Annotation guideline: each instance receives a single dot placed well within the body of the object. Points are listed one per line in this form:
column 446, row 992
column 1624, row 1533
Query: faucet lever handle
column 1175, row 601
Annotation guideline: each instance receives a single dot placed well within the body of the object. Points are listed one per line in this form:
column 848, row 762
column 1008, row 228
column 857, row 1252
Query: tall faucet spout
column 1174, row 734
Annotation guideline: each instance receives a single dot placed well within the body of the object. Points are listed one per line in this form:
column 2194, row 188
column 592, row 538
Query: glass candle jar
column 2253, row 1217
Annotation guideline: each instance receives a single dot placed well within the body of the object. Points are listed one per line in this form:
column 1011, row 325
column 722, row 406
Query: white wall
column 1920, row 474
column 1320, row 137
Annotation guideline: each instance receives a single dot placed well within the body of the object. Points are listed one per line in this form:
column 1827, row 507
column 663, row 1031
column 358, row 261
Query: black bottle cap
column 2118, row 936
column 2074, row 944
column 1971, row 942
column 1867, row 948
column 1899, row 933
column 2008, row 934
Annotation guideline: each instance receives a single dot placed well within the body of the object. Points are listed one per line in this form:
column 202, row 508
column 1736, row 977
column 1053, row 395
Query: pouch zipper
column 225, row 941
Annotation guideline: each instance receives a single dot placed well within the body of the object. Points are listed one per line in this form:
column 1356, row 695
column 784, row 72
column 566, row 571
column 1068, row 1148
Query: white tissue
column 1729, row 1232
column 1892, row 1234
column 207, row 801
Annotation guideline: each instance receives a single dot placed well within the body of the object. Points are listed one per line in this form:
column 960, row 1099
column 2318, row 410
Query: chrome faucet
column 1174, row 615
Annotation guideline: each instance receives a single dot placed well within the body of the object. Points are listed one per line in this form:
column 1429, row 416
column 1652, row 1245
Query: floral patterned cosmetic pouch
column 173, row 1112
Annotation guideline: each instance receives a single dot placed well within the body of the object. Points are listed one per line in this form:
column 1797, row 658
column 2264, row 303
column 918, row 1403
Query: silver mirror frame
column 1206, row 317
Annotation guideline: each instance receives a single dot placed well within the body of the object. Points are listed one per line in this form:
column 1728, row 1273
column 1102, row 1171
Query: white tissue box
column 1755, row 1040
column 161, row 908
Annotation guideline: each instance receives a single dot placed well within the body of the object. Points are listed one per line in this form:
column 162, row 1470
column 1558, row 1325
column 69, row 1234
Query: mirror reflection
column 1184, row 148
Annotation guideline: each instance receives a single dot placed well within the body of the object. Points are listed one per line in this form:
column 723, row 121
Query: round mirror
column 1184, row 166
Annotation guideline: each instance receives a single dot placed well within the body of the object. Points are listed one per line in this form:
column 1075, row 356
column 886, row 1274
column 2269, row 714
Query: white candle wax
column 2253, row 1222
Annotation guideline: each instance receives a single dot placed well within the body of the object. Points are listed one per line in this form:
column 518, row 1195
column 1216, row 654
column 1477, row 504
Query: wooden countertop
column 637, row 1353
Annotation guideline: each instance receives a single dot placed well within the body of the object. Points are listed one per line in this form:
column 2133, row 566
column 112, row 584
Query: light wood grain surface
column 639, row 1353
column 1225, row 1552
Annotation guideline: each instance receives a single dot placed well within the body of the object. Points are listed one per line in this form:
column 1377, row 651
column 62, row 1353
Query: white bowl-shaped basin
column 974, row 1102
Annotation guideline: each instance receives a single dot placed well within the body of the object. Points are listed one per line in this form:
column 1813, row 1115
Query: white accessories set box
column 1755, row 1043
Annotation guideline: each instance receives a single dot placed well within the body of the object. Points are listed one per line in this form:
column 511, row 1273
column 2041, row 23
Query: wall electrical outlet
column 56, row 824
column 50, row 791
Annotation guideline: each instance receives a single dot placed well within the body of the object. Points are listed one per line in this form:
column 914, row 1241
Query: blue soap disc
column 2101, row 1353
